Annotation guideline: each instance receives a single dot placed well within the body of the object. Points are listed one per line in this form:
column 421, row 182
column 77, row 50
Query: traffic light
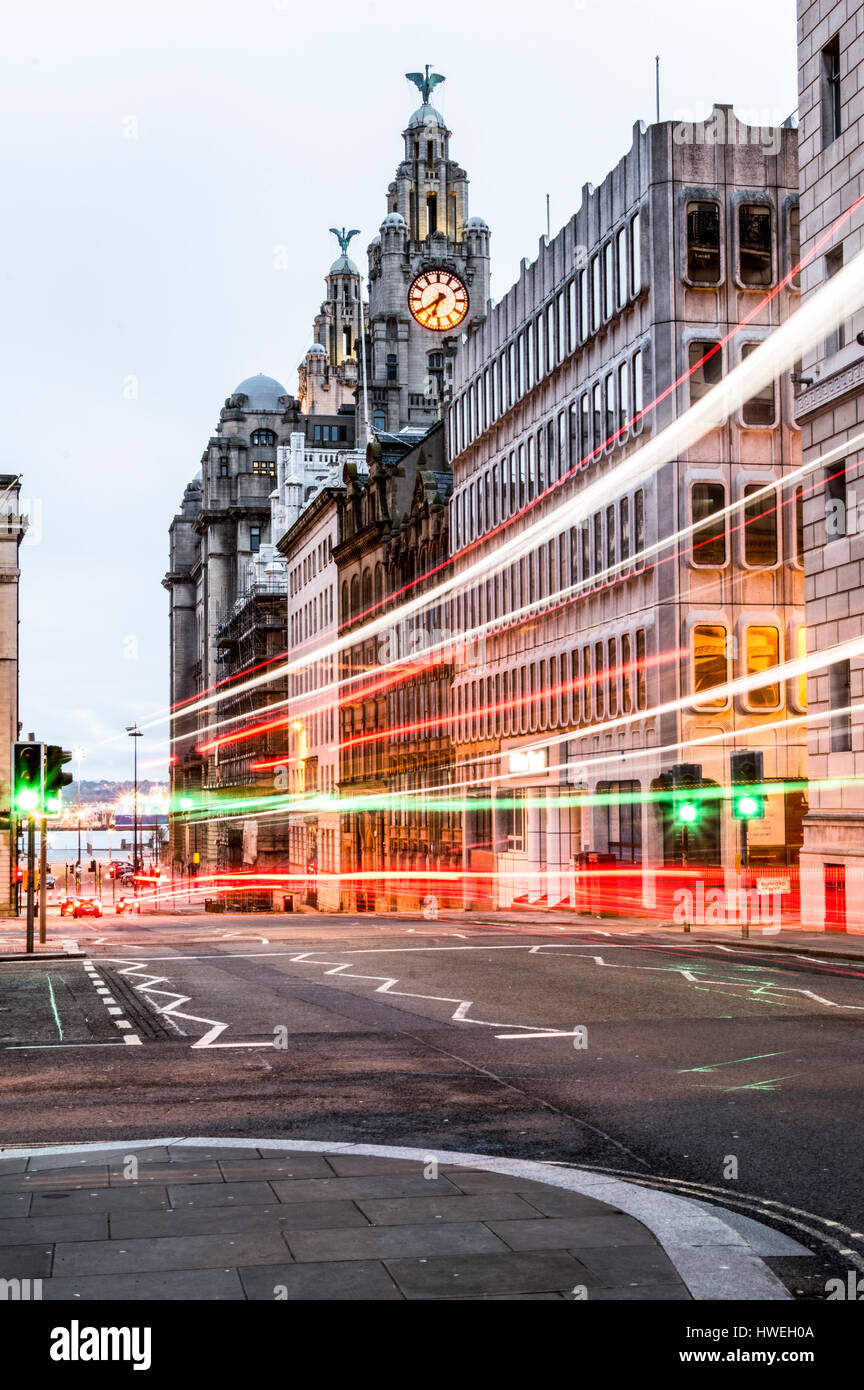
column 28, row 778
column 748, row 800
column 55, row 778
column 686, row 809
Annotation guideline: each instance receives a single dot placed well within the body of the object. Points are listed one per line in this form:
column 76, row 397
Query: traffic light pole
column 43, row 876
column 745, row 924
column 31, row 880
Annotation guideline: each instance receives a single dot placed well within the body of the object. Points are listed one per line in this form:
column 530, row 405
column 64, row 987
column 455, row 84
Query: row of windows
column 714, row 649
column 705, row 364
column 613, row 536
column 754, row 256
column 311, row 564
column 758, row 531
column 597, row 681
column 540, row 461
column 329, row 434
column 312, row 617
column 593, row 296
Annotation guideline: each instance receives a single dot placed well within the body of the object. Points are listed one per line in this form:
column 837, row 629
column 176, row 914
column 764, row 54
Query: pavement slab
column 254, row 1222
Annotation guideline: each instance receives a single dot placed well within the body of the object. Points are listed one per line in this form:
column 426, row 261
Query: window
column 598, row 543
column 636, row 254
column 835, row 500
column 584, row 429
column 761, row 409
column 837, row 337
column 709, row 662
column 799, row 526
column 760, row 527
column 586, row 681
column 391, row 366
column 637, row 386
column 705, row 371
column 563, row 461
column 609, row 279
column 595, row 294
column 254, row 538
column 621, row 247
column 754, row 244
column 619, row 820
column 264, row 466
column 583, row 305
column 839, row 698
column 641, row 679
column 626, row 675
column 795, row 244
column 703, row 243
column 379, row 419
column 597, row 402
column 801, row 683
column 624, row 518
column 612, row 677
column 264, row 438
column 831, row 109
column 511, row 810
column 763, row 652
column 598, row 678
column 610, row 407
column 610, row 536
column 223, row 468
column 639, row 525
column 541, row 352
column 709, row 541
column 572, row 310
column 623, row 393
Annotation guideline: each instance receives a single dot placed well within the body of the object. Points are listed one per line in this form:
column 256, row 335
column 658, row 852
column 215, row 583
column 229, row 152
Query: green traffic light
column 27, row 800
column 747, row 806
column 687, row 812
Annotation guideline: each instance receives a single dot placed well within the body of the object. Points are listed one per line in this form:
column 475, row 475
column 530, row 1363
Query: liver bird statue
column 425, row 84
column 344, row 237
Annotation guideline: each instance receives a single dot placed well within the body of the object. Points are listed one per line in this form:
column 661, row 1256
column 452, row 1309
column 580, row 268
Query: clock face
column 438, row 300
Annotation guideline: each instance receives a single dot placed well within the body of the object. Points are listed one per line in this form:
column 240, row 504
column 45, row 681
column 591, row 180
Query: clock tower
column 428, row 274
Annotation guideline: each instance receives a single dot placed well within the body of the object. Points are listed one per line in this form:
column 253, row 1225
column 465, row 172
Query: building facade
column 830, row 411
column 602, row 645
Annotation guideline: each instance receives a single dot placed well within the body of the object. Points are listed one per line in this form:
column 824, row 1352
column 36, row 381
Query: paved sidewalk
column 236, row 1223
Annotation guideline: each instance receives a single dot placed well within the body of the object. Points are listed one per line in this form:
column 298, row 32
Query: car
column 49, row 881
column 128, row 905
column 87, row 907
column 66, row 906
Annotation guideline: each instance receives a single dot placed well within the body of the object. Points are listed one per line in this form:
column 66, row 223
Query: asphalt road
column 730, row 1075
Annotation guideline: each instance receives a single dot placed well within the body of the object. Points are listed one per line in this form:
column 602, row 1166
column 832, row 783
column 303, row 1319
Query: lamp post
column 78, row 754
column 134, row 733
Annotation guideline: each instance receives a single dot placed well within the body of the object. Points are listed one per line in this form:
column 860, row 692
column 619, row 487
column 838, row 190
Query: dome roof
column 316, row 350
column 394, row 219
column 476, row 224
column 343, row 266
column 427, row 115
column 262, row 391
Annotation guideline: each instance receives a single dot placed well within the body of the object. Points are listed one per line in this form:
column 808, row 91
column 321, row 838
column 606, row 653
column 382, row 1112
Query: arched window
column 379, row 583
column 265, row 438
column 355, row 596
column 367, row 589
column 346, row 612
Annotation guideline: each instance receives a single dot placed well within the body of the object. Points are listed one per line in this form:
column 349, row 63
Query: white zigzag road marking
column 172, row 1011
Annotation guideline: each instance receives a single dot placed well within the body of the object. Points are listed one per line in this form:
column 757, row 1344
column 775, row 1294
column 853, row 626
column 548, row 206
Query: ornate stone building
column 428, row 274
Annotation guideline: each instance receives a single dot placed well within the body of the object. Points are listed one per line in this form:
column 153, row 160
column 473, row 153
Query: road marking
column 54, row 1006
column 115, row 1011
column 133, row 1039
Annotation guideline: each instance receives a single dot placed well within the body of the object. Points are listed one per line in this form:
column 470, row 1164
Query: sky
column 170, row 172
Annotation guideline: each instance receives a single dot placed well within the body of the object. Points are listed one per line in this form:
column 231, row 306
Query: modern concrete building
column 570, row 722
column 830, row 411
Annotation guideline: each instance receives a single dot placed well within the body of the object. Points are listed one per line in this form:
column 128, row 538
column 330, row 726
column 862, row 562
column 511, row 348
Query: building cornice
column 847, row 382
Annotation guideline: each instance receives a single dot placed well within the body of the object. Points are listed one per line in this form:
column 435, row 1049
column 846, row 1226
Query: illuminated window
column 705, row 371
column 760, row 527
column 801, row 652
column 763, row 652
column 709, row 541
column 703, row 243
column 264, row 466
column 754, row 244
column 760, row 409
column 709, row 662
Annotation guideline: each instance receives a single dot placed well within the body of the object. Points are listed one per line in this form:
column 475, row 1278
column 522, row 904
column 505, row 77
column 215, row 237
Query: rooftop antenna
column 548, row 223
column 657, row 84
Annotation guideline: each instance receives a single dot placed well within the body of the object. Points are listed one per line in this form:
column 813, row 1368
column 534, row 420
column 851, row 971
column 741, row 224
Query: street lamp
column 134, row 733
column 78, row 754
